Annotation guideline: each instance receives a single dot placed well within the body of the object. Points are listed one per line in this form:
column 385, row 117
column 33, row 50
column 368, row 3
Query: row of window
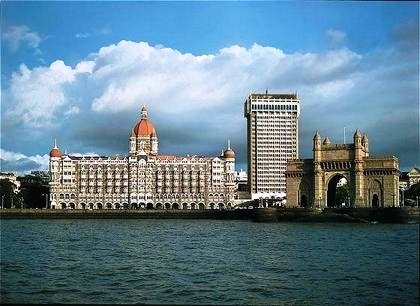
column 273, row 107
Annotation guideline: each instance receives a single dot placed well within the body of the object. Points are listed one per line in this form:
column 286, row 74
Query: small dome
column 327, row 141
column 229, row 153
column 55, row 152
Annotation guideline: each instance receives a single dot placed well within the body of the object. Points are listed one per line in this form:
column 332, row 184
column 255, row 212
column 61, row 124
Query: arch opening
column 375, row 201
column 338, row 194
column 304, row 194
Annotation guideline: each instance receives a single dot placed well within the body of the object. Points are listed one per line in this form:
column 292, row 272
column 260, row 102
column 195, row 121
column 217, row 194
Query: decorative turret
column 326, row 141
column 55, row 152
column 365, row 144
column 317, row 146
column 229, row 153
column 357, row 137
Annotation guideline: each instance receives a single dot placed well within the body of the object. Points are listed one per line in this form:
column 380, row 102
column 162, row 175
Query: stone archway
column 375, row 194
column 304, row 195
column 337, row 191
column 351, row 160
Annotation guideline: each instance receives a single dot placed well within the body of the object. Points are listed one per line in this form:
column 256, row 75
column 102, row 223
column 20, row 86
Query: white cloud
column 123, row 76
column 35, row 95
column 17, row 36
column 83, row 154
column 82, row 35
column 72, row 110
column 135, row 73
column 14, row 160
column 336, row 38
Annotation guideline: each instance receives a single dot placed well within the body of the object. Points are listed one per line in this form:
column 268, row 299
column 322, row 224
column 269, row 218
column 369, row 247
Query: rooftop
column 273, row 96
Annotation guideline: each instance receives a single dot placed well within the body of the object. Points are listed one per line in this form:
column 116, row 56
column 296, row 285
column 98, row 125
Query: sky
column 80, row 72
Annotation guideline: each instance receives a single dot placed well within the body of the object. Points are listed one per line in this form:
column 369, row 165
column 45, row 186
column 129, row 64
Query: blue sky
column 79, row 71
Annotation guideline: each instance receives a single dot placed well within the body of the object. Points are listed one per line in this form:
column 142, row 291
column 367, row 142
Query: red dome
column 229, row 153
column 55, row 152
column 144, row 128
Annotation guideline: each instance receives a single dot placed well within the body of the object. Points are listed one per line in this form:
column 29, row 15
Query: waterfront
column 208, row 262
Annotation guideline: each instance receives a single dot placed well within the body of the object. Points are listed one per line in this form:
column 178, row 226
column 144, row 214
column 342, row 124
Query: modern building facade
column 143, row 178
column 372, row 181
column 272, row 136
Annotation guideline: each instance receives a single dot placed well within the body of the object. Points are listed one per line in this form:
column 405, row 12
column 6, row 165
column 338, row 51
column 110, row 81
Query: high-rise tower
column 272, row 135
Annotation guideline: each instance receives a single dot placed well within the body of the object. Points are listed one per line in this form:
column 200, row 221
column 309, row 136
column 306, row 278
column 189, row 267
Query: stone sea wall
column 367, row 215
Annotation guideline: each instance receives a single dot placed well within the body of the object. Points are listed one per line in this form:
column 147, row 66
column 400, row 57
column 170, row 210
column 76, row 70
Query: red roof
column 55, row 152
column 144, row 128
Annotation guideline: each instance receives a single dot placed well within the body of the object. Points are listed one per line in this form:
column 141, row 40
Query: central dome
column 145, row 127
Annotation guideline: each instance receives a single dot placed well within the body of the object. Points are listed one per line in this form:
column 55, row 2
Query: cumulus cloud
column 18, row 36
column 13, row 161
column 196, row 101
column 35, row 95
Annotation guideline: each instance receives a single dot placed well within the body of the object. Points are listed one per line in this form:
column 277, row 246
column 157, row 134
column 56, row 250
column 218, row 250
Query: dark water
column 208, row 262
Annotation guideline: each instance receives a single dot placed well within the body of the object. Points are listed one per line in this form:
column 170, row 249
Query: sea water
column 208, row 262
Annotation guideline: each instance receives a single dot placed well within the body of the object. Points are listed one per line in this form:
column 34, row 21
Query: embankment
column 367, row 215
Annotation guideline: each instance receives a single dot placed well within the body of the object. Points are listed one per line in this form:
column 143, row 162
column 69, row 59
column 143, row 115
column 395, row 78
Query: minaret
column 318, row 190
column 358, row 169
column 317, row 146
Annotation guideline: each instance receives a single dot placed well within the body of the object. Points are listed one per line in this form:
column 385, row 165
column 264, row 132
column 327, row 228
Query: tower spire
column 55, row 143
column 143, row 112
column 228, row 144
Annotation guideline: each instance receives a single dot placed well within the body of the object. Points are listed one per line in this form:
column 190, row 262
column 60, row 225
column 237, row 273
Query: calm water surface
column 208, row 262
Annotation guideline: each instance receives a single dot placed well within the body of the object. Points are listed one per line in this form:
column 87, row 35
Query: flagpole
column 344, row 135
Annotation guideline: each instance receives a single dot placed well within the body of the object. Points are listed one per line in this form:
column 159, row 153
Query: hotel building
column 272, row 136
column 143, row 178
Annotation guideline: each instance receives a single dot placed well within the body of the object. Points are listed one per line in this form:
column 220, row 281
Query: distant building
column 143, row 179
column 413, row 176
column 11, row 177
column 372, row 181
column 43, row 176
column 241, row 180
column 272, row 136
column 404, row 182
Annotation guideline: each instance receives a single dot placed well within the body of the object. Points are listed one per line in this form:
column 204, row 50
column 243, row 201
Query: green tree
column 411, row 194
column 8, row 197
column 341, row 195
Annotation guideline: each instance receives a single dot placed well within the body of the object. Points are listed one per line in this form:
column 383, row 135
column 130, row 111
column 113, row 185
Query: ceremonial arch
column 365, row 181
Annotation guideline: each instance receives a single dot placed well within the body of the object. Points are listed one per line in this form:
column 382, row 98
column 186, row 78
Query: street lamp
column 2, row 200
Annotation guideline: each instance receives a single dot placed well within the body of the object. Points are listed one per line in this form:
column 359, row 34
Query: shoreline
column 352, row 215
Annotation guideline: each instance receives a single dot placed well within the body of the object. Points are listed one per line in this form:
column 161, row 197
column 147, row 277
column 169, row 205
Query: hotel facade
column 272, row 137
column 143, row 178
